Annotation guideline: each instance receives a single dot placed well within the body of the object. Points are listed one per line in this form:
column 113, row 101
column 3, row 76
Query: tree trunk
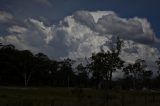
column 110, row 80
column 68, row 82
column 99, row 84
column 134, row 81
column 26, row 79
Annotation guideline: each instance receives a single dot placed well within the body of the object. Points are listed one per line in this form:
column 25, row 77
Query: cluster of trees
column 23, row 68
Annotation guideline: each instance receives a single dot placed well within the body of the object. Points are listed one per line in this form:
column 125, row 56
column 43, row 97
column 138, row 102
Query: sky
column 55, row 10
column 77, row 28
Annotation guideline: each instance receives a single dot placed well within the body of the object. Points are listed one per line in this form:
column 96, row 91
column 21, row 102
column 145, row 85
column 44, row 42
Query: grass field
column 76, row 97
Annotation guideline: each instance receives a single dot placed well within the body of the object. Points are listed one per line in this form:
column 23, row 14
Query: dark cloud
column 45, row 2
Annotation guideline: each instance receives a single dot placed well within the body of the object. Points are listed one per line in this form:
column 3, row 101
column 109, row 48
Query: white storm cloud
column 83, row 33
column 102, row 22
column 5, row 17
column 17, row 29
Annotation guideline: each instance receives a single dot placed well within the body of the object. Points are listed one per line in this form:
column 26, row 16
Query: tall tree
column 26, row 63
column 8, row 55
column 103, row 64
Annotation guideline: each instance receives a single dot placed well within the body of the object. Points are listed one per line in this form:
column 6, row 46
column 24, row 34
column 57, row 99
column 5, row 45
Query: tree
column 137, row 71
column 30, row 65
column 1, row 44
column 147, row 74
column 82, row 75
column 103, row 64
column 8, row 65
column 158, row 64
column 52, row 72
column 41, row 70
column 66, row 72
column 26, row 63
column 157, row 79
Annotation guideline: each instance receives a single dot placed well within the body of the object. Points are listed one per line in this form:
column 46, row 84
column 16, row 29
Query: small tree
column 137, row 70
column 1, row 45
column 158, row 64
column 82, row 75
column 147, row 77
column 157, row 79
column 66, row 71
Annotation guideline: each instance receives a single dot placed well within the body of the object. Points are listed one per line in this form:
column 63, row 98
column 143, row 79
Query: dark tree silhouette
column 23, row 68
column 138, row 71
column 66, row 73
column 157, row 79
column 8, row 67
column 158, row 64
column 105, row 63
column 82, row 75
column 147, row 74
column 26, row 65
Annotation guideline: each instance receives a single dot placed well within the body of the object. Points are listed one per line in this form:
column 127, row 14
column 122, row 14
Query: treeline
column 23, row 68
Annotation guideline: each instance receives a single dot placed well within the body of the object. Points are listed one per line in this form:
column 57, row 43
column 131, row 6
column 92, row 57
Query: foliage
column 105, row 63
column 24, row 68
column 138, row 71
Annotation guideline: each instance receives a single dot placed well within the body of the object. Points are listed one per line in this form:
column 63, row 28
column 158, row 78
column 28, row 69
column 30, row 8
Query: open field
column 76, row 97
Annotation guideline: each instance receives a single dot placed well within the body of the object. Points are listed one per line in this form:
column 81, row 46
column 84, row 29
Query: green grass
column 76, row 97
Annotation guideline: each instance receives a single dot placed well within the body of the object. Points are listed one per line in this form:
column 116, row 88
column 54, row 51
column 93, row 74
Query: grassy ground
column 76, row 97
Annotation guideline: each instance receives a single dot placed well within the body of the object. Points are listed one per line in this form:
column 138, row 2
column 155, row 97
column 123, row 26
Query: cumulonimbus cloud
column 137, row 29
column 83, row 33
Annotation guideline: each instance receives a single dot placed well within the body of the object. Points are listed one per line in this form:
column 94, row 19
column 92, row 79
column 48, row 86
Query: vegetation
column 103, row 65
column 23, row 68
column 138, row 72
column 35, row 80
column 75, row 97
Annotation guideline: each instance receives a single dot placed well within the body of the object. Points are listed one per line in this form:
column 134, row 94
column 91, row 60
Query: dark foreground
column 76, row 97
